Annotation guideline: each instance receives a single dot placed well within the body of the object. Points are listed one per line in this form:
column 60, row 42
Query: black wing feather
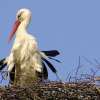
column 51, row 53
column 12, row 74
column 45, row 71
column 55, row 59
column 49, row 65
column 2, row 64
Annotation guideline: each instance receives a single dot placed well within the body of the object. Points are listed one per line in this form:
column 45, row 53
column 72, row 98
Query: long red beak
column 15, row 27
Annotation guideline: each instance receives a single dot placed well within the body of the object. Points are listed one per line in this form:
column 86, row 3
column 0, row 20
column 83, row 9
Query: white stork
column 25, row 56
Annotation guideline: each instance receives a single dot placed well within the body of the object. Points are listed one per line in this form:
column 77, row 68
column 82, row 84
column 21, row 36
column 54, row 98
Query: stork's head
column 23, row 17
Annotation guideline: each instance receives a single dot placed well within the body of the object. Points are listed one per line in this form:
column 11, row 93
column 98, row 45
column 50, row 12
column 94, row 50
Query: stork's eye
column 19, row 16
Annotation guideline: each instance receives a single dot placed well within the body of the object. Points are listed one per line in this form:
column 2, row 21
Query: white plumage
column 25, row 54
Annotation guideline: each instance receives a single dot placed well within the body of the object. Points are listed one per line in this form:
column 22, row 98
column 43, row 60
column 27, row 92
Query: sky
column 70, row 26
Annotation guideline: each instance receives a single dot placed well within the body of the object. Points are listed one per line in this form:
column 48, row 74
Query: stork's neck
column 22, row 29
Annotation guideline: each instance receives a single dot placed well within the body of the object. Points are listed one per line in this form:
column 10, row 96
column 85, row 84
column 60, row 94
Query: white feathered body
column 26, row 57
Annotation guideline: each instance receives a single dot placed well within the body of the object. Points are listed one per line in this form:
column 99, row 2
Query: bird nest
column 51, row 91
